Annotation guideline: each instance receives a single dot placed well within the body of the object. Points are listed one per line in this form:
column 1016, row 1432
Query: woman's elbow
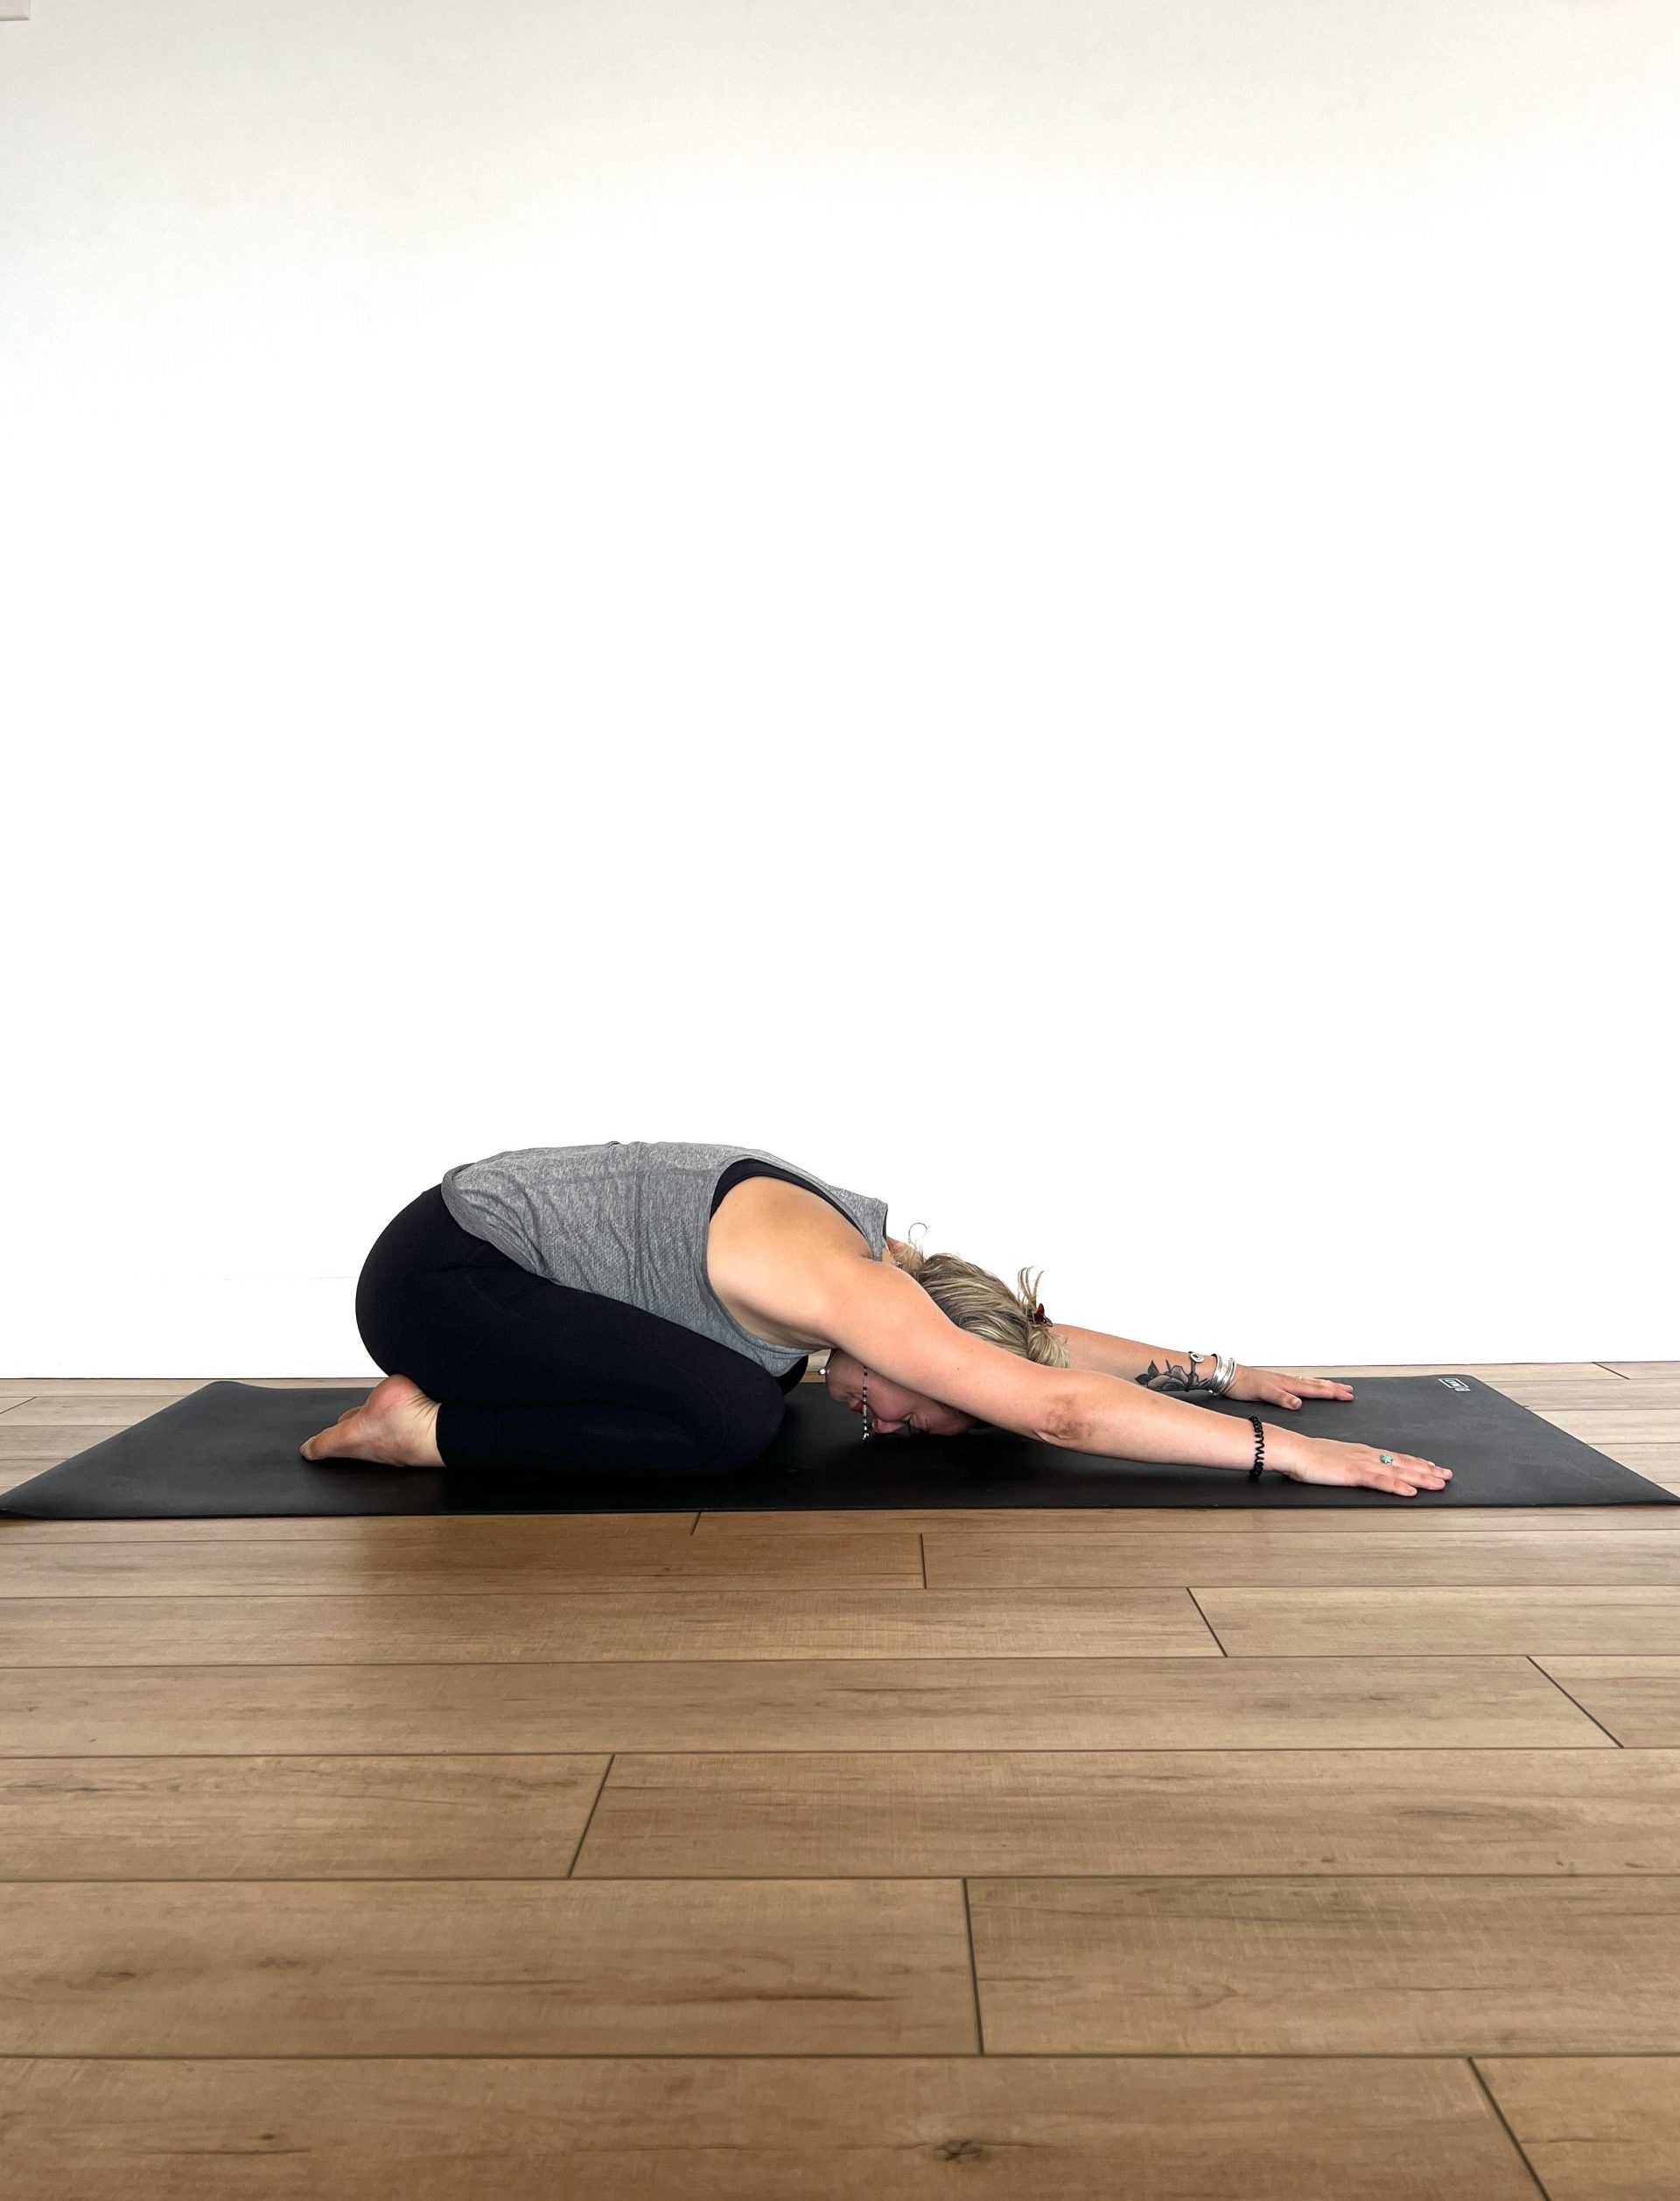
column 1062, row 1416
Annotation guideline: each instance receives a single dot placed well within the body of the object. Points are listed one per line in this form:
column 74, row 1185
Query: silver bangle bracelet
column 1223, row 1376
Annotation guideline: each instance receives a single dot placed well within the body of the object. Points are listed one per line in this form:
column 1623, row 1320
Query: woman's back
column 629, row 1220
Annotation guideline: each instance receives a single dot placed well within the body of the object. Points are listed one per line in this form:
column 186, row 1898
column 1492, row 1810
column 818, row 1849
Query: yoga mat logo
column 1452, row 1383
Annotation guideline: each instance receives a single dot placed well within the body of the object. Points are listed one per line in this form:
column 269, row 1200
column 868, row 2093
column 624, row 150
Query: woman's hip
column 419, row 1244
column 464, row 1321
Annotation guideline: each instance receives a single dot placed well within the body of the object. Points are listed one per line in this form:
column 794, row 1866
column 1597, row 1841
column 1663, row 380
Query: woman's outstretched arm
column 1104, row 1356
column 889, row 1322
column 1158, row 1368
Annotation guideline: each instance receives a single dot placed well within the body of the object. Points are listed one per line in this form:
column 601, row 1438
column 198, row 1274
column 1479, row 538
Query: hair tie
column 1039, row 1315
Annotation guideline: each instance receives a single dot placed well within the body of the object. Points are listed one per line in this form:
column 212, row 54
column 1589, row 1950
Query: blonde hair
column 983, row 1304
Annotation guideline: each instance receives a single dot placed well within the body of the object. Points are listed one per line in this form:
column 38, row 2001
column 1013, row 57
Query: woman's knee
column 743, row 1416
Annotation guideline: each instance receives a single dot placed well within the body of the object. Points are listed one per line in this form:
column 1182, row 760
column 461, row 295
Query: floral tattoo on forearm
column 1176, row 1375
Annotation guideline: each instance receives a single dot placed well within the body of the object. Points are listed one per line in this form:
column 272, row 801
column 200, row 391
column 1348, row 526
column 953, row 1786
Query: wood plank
column 1478, row 1966
column 973, row 1559
column 1596, row 2129
column 1660, row 1461
column 909, row 2128
column 1569, row 1391
column 1163, row 1811
column 1502, row 1375
column 294, row 1818
column 165, row 1388
column 393, row 1531
column 1656, row 1422
column 23, row 1444
column 929, row 1704
column 501, row 1967
column 1446, row 1622
column 1638, row 1699
column 474, row 1556
column 823, row 1527
column 606, row 1624
column 464, row 1556
column 1123, row 1520
column 49, row 1415
column 1540, row 1385
column 1544, row 1391
column 598, row 1553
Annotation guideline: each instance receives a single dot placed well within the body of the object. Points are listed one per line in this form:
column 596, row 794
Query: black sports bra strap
column 738, row 1172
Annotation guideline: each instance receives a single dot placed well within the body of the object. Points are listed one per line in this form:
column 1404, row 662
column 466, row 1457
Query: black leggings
column 535, row 1375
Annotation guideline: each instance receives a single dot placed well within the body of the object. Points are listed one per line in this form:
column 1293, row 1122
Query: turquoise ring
column 1388, row 1458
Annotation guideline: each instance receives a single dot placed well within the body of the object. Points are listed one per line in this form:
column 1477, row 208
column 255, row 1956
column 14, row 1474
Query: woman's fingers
column 1314, row 1387
column 1407, row 1475
column 1289, row 1391
column 1402, row 1474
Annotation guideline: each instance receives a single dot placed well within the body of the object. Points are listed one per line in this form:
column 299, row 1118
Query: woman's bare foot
column 393, row 1427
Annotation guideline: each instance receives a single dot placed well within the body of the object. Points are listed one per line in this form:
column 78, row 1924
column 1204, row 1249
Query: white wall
column 1056, row 611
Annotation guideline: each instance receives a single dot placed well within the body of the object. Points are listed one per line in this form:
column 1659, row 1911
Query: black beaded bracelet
column 1259, row 1467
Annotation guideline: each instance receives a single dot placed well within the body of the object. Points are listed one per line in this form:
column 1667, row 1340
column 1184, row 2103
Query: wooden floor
column 1310, row 1856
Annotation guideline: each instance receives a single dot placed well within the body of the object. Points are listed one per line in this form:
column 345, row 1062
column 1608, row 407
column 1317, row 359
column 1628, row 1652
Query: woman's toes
column 392, row 1428
column 329, row 1444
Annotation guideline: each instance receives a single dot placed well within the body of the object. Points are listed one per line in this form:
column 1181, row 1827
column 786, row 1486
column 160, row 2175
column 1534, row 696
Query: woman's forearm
column 1120, row 1420
column 1154, row 1367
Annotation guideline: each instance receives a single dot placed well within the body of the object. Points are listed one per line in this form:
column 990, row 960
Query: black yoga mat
column 231, row 1449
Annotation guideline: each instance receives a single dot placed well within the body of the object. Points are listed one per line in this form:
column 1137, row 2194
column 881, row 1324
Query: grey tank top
column 629, row 1220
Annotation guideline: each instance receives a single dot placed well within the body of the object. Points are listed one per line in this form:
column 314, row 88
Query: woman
column 648, row 1305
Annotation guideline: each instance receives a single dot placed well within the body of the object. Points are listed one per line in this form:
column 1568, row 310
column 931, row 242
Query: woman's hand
column 1284, row 1391
column 1323, row 1459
